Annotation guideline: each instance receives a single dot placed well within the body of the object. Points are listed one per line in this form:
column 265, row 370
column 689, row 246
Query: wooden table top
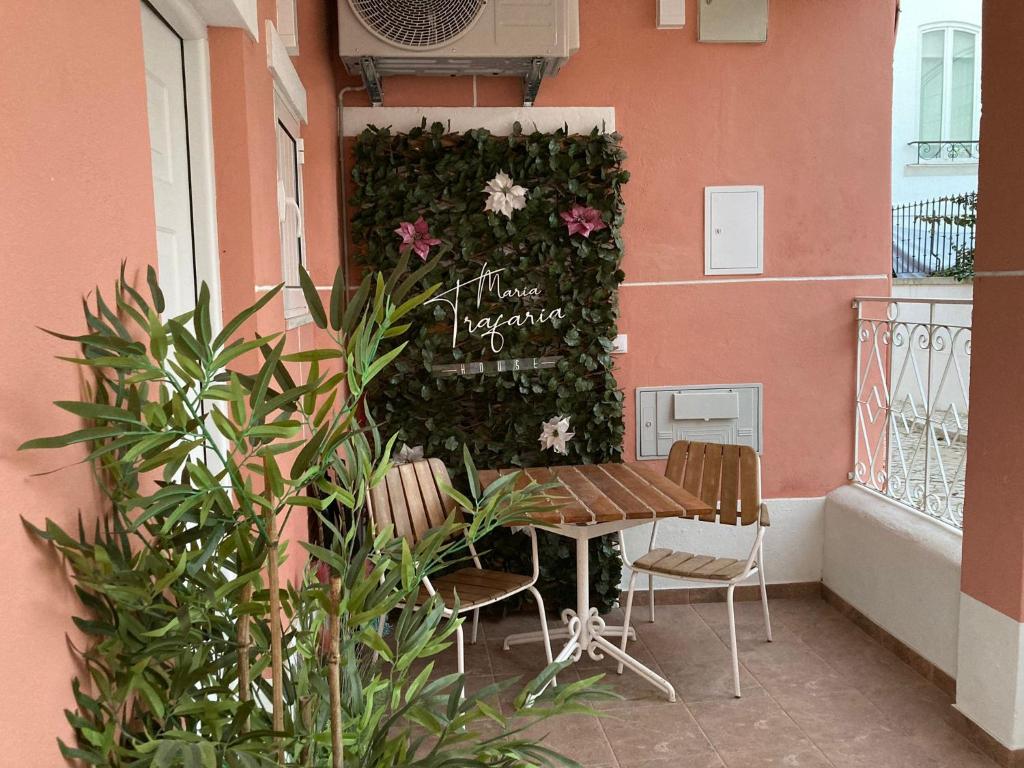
column 601, row 493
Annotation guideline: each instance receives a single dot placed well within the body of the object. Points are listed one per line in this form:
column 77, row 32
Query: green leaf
column 313, row 303
column 339, row 297
column 154, row 289
column 71, row 438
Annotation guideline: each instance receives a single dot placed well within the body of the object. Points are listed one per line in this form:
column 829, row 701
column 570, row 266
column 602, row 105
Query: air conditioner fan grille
column 418, row 23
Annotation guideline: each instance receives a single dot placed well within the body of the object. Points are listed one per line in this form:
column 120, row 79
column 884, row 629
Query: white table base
column 585, row 630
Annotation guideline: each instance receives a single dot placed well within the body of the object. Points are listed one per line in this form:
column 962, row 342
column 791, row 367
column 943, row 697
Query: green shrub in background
column 440, row 177
column 966, row 218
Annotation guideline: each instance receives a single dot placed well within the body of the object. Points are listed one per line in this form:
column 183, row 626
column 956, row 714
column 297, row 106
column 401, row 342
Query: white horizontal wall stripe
column 719, row 281
column 495, row 119
column 1004, row 273
column 265, row 288
column 700, row 281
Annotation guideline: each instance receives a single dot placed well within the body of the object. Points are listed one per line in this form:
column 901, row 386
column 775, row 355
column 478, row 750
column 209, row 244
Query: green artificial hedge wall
column 558, row 288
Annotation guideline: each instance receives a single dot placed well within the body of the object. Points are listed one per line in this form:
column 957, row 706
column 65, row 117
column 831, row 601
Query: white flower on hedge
column 555, row 434
column 408, row 455
column 504, row 195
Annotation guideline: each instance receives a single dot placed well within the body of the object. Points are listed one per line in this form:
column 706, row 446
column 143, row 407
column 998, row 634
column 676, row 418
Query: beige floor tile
column 836, row 716
column 797, row 754
column 655, row 732
column 790, row 669
column 747, row 724
column 710, row 680
column 579, row 737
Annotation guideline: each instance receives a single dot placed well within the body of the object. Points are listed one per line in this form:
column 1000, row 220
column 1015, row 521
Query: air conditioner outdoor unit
column 531, row 39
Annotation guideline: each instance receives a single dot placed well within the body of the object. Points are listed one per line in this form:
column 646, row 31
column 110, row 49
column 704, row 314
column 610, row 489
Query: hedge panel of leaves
column 440, row 176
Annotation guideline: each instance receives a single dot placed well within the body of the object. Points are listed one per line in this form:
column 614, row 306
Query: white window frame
column 289, row 113
column 296, row 311
column 190, row 25
column 949, row 27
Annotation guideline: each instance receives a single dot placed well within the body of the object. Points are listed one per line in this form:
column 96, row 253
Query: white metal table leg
column 585, row 630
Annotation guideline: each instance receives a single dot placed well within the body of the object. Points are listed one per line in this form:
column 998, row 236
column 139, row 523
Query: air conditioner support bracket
column 531, row 81
column 371, row 80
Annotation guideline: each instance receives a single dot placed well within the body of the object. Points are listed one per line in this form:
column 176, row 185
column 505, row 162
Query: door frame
column 186, row 22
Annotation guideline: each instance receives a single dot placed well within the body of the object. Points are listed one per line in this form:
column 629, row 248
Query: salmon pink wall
column 76, row 200
column 808, row 116
column 993, row 551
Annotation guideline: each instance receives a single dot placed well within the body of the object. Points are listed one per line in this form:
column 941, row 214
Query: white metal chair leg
column 544, row 628
column 460, row 650
column 764, row 593
column 625, row 620
column 476, row 626
column 650, row 596
column 732, row 641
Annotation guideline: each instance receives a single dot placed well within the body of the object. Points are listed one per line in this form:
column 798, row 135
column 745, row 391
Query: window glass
column 933, row 45
column 961, row 108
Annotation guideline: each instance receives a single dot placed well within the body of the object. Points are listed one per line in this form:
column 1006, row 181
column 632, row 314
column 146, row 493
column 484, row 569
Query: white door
column 168, row 138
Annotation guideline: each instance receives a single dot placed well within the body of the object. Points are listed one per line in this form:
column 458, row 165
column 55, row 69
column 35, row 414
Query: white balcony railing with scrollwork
column 913, row 379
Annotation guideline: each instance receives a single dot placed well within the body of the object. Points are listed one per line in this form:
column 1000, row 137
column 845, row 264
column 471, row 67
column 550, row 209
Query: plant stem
column 334, row 673
column 276, row 662
column 244, row 623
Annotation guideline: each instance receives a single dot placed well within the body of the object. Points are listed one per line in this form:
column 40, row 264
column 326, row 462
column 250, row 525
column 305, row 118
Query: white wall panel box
column 733, row 21
column 718, row 413
column 734, row 230
column 671, row 14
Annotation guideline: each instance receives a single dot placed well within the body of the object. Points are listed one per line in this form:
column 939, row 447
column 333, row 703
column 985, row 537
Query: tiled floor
column 822, row 694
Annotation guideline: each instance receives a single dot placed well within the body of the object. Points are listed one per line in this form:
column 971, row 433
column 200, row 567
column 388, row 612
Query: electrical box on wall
column 671, row 14
column 733, row 21
column 728, row 413
column 734, row 230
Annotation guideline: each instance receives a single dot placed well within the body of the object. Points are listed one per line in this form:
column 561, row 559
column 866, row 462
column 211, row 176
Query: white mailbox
column 734, row 230
column 728, row 413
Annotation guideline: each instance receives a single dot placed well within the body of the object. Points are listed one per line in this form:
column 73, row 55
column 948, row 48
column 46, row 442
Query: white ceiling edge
column 230, row 13
column 497, row 120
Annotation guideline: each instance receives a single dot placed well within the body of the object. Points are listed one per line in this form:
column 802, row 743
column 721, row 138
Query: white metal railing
column 913, row 379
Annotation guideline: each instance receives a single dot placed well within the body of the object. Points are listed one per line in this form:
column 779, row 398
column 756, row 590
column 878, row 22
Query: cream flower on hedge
column 504, row 195
column 555, row 434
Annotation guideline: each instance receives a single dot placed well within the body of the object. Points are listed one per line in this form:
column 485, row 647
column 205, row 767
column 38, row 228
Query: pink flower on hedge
column 583, row 220
column 416, row 236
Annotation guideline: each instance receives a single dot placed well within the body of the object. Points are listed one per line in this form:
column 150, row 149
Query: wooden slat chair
column 411, row 500
column 728, row 478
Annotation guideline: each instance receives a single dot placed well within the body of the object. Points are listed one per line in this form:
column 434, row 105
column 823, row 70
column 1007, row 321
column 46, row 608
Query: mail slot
column 718, row 413
column 706, row 405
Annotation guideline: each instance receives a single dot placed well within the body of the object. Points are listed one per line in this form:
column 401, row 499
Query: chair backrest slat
column 694, row 468
column 727, row 477
column 711, row 477
column 410, row 499
column 729, row 497
column 750, row 487
column 414, row 500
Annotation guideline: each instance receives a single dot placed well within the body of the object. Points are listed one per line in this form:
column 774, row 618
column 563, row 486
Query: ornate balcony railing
column 913, row 379
column 946, row 151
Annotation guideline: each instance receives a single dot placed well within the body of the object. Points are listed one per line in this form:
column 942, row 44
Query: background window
column 949, row 95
